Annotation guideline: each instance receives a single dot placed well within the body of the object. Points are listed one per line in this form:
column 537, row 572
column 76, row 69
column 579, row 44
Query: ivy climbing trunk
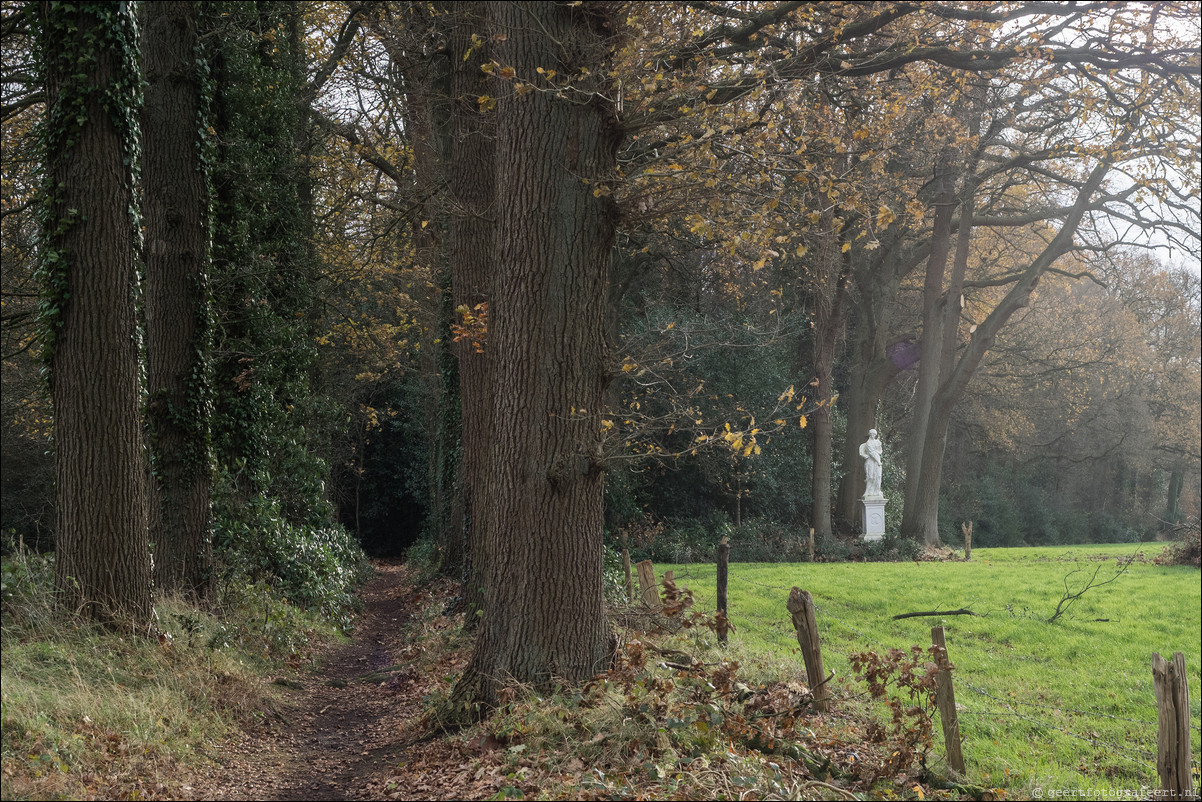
column 178, row 337
column 89, row 53
column 266, row 422
column 543, row 617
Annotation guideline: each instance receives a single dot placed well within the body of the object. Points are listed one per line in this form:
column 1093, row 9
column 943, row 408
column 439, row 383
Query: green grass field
column 1060, row 706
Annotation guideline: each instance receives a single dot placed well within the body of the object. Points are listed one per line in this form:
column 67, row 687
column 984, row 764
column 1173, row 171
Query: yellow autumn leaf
column 803, row 421
column 846, row 247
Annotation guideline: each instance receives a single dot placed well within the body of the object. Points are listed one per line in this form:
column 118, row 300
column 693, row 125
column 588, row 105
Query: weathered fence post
column 648, row 591
column 967, row 530
column 1172, row 732
column 805, row 622
column 945, row 698
column 626, row 567
column 723, row 574
column 811, row 544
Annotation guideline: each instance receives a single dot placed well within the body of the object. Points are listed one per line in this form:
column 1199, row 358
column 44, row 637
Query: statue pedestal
column 874, row 517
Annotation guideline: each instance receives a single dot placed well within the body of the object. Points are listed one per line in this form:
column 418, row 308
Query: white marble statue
column 870, row 450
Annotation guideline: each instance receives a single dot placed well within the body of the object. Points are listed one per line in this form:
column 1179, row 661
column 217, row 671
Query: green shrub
column 316, row 567
column 423, row 556
column 762, row 540
column 890, row 549
column 613, row 580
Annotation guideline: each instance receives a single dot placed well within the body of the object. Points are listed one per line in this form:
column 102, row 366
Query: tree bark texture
column 473, row 256
column 177, row 317
column 103, row 557
column 543, row 614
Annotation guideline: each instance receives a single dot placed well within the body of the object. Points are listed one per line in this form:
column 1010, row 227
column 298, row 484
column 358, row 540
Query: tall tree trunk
column 830, row 289
column 543, row 615
column 424, row 76
column 177, row 316
column 922, row 511
column 473, row 255
column 1172, row 514
column 932, row 338
column 91, row 77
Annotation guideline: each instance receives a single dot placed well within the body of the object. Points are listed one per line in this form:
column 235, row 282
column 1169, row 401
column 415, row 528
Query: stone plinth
column 874, row 517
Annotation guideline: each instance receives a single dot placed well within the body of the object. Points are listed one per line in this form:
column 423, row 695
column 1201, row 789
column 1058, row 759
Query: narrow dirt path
column 348, row 730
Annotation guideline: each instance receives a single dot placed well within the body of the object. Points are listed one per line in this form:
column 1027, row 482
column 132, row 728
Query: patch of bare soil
column 354, row 721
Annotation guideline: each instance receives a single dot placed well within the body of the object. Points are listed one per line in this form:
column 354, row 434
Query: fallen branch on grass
column 961, row 611
column 1069, row 596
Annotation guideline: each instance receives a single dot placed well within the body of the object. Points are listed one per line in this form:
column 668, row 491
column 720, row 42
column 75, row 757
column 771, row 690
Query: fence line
column 1140, row 758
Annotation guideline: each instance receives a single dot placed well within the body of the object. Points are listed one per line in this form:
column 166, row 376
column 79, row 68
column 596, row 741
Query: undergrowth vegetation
column 89, row 712
column 1044, row 705
column 1063, row 704
column 1186, row 548
column 679, row 716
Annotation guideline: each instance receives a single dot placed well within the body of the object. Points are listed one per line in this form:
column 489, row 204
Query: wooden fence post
column 967, row 530
column 648, row 591
column 626, row 567
column 811, row 544
column 945, row 698
column 723, row 573
column 1172, row 732
column 805, row 622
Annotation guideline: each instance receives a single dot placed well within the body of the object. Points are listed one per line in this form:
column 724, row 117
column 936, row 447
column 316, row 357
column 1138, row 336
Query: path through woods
column 351, row 729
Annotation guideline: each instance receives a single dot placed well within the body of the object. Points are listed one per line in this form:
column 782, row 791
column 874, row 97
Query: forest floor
column 350, row 724
column 350, row 727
